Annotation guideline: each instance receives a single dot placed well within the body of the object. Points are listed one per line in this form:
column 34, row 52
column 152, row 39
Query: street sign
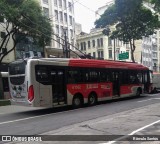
column 124, row 56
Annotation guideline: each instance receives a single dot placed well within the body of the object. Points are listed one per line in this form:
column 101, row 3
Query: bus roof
column 92, row 63
column 105, row 64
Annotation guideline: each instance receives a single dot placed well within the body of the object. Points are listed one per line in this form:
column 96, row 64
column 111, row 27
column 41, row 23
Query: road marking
column 17, row 120
column 149, row 99
column 132, row 133
column 144, row 127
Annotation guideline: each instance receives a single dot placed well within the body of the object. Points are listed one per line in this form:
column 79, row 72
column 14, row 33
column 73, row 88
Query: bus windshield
column 17, row 67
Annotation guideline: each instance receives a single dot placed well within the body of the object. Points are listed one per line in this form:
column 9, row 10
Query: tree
column 156, row 4
column 22, row 18
column 131, row 20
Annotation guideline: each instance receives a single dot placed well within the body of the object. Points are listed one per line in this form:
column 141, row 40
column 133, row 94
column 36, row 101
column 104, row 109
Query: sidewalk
column 5, row 102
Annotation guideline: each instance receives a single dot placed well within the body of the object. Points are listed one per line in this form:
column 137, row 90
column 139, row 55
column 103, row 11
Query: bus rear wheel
column 77, row 101
column 92, row 99
column 138, row 93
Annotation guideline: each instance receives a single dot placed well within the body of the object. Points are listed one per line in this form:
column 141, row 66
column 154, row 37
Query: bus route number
column 76, row 87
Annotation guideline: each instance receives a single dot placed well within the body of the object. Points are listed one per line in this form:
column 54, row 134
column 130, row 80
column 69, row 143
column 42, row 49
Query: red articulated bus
column 48, row 82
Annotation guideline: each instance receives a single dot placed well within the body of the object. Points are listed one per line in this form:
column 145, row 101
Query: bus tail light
column 31, row 93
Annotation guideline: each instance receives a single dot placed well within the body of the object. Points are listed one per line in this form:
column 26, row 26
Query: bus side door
column 44, row 85
column 58, row 85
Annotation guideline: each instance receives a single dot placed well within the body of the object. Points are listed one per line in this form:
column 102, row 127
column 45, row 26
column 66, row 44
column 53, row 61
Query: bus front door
column 58, row 86
column 116, row 84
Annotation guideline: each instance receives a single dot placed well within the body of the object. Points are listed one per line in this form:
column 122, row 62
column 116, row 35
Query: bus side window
column 104, row 77
column 60, row 75
column 86, row 76
column 70, row 76
column 53, row 76
column 42, row 74
column 93, row 76
column 139, row 77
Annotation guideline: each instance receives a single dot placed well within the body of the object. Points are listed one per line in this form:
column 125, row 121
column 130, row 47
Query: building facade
column 11, row 56
column 150, row 52
column 151, row 47
column 61, row 14
column 100, row 46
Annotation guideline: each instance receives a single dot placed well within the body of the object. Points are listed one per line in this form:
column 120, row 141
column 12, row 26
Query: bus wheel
column 92, row 99
column 138, row 93
column 77, row 101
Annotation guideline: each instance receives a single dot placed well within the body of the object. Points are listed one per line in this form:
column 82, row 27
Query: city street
column 120, row 117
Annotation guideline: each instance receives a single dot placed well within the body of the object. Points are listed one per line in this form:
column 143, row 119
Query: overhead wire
column 57, row 35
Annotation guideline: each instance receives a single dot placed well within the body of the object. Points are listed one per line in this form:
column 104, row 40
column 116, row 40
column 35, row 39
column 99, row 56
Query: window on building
column 3, row 34
column 94, row 54
column 61, row 31
column 109, row 41
column 102, row 54
column 81, row 46
column 61, row 16
column 78, row 45
column 66, row 31
column 64, row 4
column 98, row 42
column 46, row 12
column 99, row 54
column 56, row 15
column 60, row 3
column 71, row 33
column 110, row 54
column 45, row 1
column 101, row 41
column 93, row 43
column 57, row 29
column 70, row 6
column 70, row 20
column 89, row 44
column 84, row 45
column 117, row 53
column 65, row 17
column 55, row 2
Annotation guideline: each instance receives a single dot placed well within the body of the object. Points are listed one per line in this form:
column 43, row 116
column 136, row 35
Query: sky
column 85, row 12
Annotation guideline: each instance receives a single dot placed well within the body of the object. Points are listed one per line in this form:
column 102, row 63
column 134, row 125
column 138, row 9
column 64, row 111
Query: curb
column 5, row 102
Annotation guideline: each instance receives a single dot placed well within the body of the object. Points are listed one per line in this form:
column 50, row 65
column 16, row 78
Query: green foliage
column 156, row 5
column 131, row 20
column 24, row 17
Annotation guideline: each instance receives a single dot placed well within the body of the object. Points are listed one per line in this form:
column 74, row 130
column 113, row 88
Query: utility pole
column 114, row 50
column 66, row 47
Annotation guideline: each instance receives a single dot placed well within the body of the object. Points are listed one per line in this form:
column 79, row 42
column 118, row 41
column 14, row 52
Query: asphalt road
column 34, row 122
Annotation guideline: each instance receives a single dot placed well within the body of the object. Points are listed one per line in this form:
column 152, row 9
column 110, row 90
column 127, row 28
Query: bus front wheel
column 92, row 99
column 77, row 101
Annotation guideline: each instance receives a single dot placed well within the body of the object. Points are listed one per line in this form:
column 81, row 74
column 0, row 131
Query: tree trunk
column 132, row 51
